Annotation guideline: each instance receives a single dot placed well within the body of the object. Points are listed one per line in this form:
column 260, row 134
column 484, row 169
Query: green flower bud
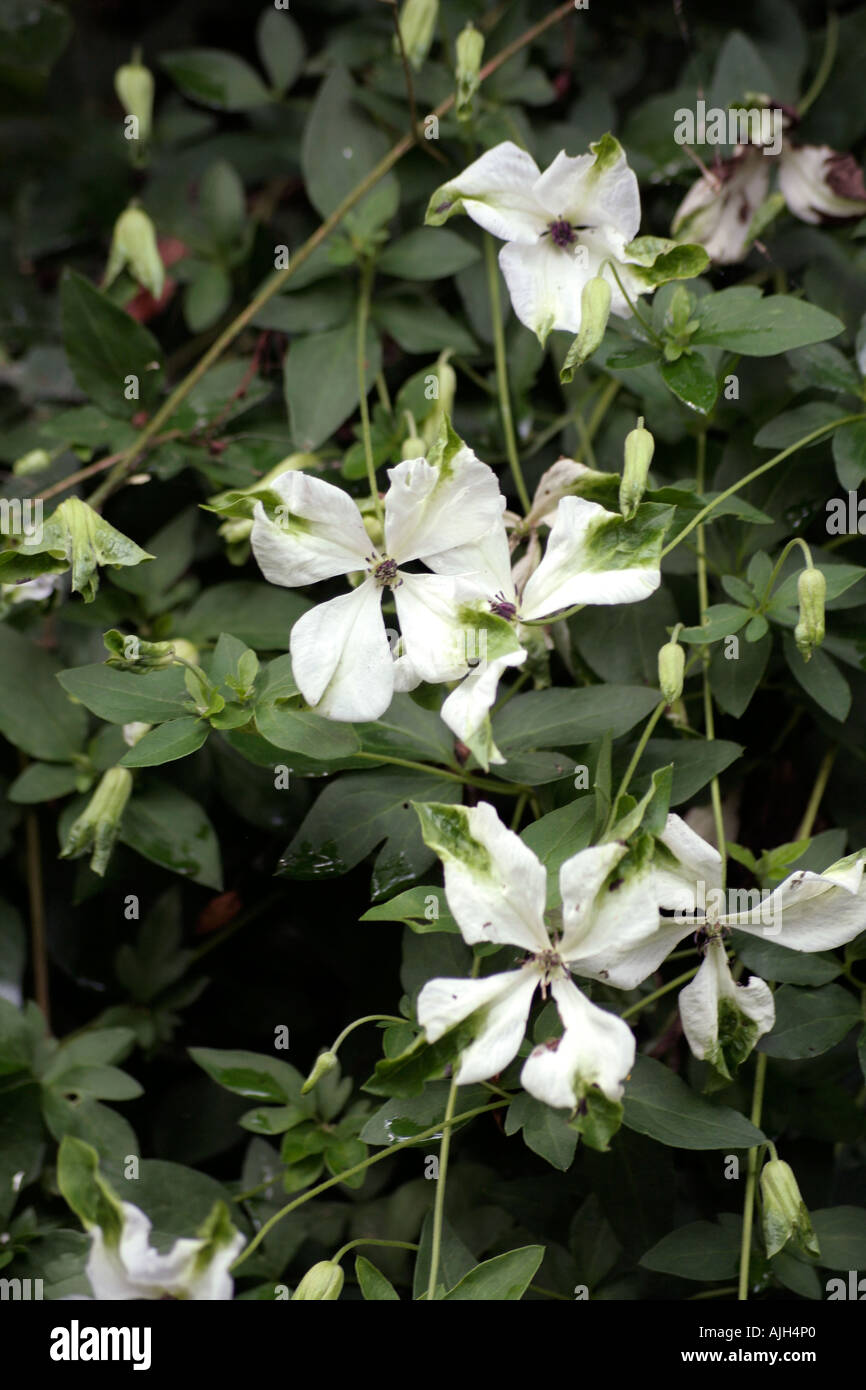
column 34, row 461
column 132, row 653
column 325, row 1062
column 639, row 447
column 133, row 84
column 417, row 28
column 98, row 825
column 373, row 525
column 594, row 314
column 135, row 731
column 324, row 1282
column 672, row 665
column 811, row 592
column 785, row 1212
column 134, row 245
column 470, row 47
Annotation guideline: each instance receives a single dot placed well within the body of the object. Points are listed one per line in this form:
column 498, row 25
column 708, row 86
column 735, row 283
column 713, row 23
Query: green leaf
column 419, row 325
column 253, row 1075
column 171, row 829
column 849, row 453
column 505, row 1278
column 722, row 619
column 427, row 253
column 339, row 146
column 175, row 739
column 809, row 1021
column 105, row 347
column 260, row 615
column 825, row 368
column 320, row 380
column 206, row 298
column 742, row 320
column 695, row 763
column 124, row 698
column 735, row 679
column 841, row 1233
column 821, row 678
column 552, row 718
column 411, row 908
column 545, row 1131
column 302, row 731
column 773, row 962
column 660, row 1104
column 455, row 1259
column 557, row 836
column 216, row 79
column 47, row 725
column 281, row 48
column 373, row 1285
column 354, row 815
column 703, row 1250
column 407, row 730
column 692, row 380
column 44, row 782
column 793, row 425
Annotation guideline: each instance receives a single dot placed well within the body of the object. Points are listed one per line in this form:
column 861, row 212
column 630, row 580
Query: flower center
column 503, row 608
column 562, row 232
column 384, row 572
column 550, row 966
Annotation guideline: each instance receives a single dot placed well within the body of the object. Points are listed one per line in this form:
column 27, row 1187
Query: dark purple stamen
column 502, row 608
column 386, row 572
column 562, row 232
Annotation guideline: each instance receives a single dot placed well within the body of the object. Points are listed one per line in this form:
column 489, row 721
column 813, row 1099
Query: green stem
column 751, row 1179
column 368, row 1018
column 485, row 785
column 439, row 1204
column 361, row 358
column 798, row 540
column 756, row 473
column 709, row 718
column 828, row 58
column 805, row 827
column 350, row 1172
column 657, row 993
column 502, row 371
column 368, row 1240
column 635, row 759
column 602, row 405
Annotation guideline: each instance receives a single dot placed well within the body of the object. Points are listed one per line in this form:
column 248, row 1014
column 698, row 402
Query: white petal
column 486, row 564
column 622, row 938
column 576, row 569
column 592, row 191
column 545, row 283
column 810, row 180
column 717, row 210
column 431, row 508
column 340, row 656
column 701, row 1000
column 433, row 638
column 497, row 193
column 319, row 535
column 694, row 861
column 466, row 707
column 596, row 1049
column 502, row 1005
column 811, row 912
column 495, row 887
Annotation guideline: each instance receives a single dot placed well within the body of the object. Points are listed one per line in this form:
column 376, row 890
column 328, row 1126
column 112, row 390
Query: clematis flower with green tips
column 722, row 1020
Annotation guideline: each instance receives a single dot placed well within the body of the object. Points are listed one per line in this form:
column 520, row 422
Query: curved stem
column 369, row 1240
column 751, row 1179
column 657, row 993
column 368, row 1018
column 502, row 371
column 828, row 57
column 361, row 351
column 798, row 540
column 635, row 759
column 350, row 1172
column 501, row 789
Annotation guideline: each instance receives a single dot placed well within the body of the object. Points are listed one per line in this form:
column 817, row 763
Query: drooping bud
column 785, row 1213
column 133, row 245
column 639, row 448
column 324, row 1282
column 446, row 381
column 325, row 1062
column 132, row 653
column 133, row 84
column 811, row 592
column 97, row 827
column 672, row 665
column 470, row 47
column 594, row 314
column 417, row 28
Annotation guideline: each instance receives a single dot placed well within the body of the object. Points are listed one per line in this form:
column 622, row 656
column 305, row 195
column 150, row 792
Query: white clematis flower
column 496, row 889
column 722, row 1020
column 341, row 658
column 124, row 1265
column 562, row 227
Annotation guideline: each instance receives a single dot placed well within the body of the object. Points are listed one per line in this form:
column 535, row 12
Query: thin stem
column 361, row 353
column 502, row 372
column 357, row 1168
column 368, row 1240
column 602, row 405
column 709, row 719
column 37, row 915
column 92, row 468
column 635, row 759
column 657, row 993
column 828, row 57
column 798, row 540
column 368, row 1018
column 439, row 1204
column 751, row 1179
column 500, row 788
column 811, row 811
column 756, row 473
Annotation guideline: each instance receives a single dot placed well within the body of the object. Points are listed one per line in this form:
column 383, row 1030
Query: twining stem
column 811, row 811
column 368, row 1018
column 709, row 719
column 368, row 1240
column 276, row 281
column 702, row 515
column 657, row 993
column 37, row 915
column 363, row 317
column 635, row 759
column 502, row 371
column 798, row 540
column 828, row 57
column 439, row 1204
column 483, row 783
column 357, row 1168
column 751, row 1179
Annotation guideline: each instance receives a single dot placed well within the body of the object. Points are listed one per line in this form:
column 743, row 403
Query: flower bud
column 417, row 28
column 324, row 1282
column 34, row 461
column 594, row 314
column 639, row 447
column 134, row 245
column 672, row 665
column 325, row 1062
column 132, row 653
column 373, row 524
column 133, row 84
column 135, row 731
column 97, row 827
column 470, row 47
column 785, row 1212
column 811, row 592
